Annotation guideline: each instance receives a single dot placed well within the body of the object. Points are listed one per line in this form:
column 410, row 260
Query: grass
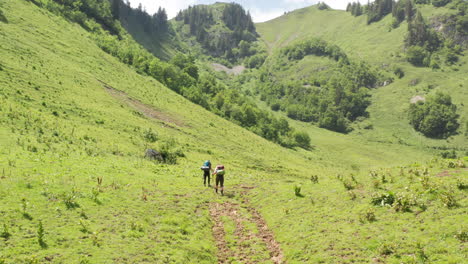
column 71, row 158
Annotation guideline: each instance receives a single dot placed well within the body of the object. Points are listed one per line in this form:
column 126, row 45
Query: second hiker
column 219, row 172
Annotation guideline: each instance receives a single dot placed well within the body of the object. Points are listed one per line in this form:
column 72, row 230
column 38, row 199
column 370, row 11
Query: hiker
column 219, row 172
column 206, row 168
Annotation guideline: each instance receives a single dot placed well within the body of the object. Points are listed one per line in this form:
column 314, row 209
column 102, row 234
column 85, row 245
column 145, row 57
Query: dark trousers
column 220, row 180
column 206, row 174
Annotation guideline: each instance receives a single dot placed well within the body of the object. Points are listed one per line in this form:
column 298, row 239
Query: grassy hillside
column 382, row 47
column 75, row 188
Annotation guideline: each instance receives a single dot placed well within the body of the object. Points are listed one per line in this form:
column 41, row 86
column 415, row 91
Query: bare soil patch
column 236, row 70
column 417, row 98
column 147, row 110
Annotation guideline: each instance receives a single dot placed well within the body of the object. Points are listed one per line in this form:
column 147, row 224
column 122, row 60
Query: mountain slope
column 74, row 186
column 384, row 49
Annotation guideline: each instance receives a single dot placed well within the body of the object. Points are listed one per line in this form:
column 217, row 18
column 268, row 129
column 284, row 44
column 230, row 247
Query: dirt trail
column 244, row 236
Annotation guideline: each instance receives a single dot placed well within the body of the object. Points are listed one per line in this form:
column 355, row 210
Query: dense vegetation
column 435, row 117
column 231, row 39
column 332, row 98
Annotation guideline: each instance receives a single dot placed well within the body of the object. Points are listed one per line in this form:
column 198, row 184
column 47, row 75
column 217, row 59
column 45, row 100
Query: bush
column 297, row 190
column 417, row 55
column 399, row 72
column 448, row 199
column 5, row 233
column 150, row 136
column 170, row 152
column 436, row 117
column 383, row 199
column 302, row 139
column 448, row 154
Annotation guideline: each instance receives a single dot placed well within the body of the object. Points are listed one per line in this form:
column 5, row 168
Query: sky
column 261, row 10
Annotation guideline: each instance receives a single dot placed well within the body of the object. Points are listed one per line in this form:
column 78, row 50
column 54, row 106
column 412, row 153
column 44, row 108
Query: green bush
column 383, row 199
column 297, row 190
column 417, row 56
column 399, row 72
column 170, row 152
column 436, row 117
column 302, row 139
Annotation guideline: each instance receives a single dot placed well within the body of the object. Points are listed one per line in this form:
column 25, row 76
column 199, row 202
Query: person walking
column 206, row 168
column 219, row 172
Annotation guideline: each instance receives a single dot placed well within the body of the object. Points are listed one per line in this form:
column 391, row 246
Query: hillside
column 382, row 48
column 75, row 186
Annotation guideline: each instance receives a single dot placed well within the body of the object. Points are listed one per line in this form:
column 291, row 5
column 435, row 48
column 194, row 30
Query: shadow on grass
column 43, row 244
column 230, row 195
column 27, row 216
column 3, row 18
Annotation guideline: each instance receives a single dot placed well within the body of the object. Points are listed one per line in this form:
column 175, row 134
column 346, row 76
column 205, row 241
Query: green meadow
column 75, row 186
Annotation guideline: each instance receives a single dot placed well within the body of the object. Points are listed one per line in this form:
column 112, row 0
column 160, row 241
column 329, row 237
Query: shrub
column 416, row 55
column 448, row 154
column 367, row 216
column 150, row 136
column 349, row 185
column 84, row 227
column 302, row 139
column 436, row 117
column 70, row 200
column 383, row 199
column 275, row 106
column 40, row 235
column 462, row 236
column 386, row 249
column 5, row 233
column 170, row 152
column 399, row 72
column 448, row 199
column 24, row 207
column 403, row 203
column 462, row 185
column 314, row 178
column 297, row 190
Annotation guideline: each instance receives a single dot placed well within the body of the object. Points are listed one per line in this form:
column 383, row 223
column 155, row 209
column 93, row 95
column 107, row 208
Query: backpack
column 220, row 170
column 206, row 166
